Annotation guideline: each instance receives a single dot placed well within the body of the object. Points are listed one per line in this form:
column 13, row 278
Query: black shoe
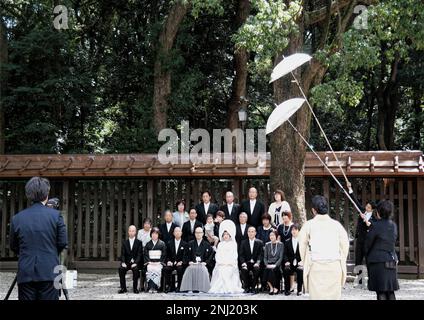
column 177, row 290
column 246, row 291
column 271, row 293
column 136, row 291
column 256, row 291
column 287, row 293
column 299, row 293
column 122, row 291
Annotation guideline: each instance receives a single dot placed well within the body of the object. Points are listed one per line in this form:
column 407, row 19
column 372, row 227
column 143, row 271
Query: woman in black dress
column 273, row 257
column 380, row 253
column 284, row 229
column 265, row 229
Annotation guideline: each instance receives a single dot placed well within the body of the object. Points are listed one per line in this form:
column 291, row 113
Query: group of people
column 232, row 249
column 240, row 248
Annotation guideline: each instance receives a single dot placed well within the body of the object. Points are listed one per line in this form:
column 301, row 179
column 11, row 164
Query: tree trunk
column 162, row 74
column 239, row 87
column 3, row 76
column 388, row 101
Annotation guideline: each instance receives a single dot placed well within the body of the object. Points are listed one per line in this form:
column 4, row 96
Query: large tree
column 315, row 27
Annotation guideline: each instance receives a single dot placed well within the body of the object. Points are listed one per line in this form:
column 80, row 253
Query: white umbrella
column 282, row 113
column 288, row 65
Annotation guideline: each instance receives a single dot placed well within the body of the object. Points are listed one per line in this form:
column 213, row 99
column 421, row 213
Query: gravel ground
column 104, row 286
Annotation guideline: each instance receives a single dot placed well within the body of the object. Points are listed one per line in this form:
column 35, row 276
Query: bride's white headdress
column 229, row 226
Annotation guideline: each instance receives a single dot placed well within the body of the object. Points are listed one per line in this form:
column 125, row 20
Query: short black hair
column 385, row 209
column 373, row 204
column 296, row 226
column 206, row 191
column 147, row 220
column 155, row 230
column 37, row 189
column 319, row 203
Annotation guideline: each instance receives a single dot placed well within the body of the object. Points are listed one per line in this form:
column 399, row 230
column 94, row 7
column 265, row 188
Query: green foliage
column 266, row 33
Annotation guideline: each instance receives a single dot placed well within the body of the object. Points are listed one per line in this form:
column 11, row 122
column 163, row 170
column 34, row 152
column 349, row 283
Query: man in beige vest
column 323, row 247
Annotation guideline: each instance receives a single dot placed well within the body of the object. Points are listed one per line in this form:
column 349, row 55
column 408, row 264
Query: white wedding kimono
column 225, row 276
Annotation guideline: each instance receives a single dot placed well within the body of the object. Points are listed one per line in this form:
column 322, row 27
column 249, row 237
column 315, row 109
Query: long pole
column 319, row 125
column 325, row 166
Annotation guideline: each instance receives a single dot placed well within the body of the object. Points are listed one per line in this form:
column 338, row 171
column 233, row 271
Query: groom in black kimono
column 201, row 249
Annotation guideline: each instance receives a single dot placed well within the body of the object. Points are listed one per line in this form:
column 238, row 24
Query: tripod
column 12, row 286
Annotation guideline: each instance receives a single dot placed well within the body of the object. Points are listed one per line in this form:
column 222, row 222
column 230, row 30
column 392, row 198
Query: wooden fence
column 98, row 212
column 99, row 208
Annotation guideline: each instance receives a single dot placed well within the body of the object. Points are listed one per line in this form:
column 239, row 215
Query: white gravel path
column 104, row 286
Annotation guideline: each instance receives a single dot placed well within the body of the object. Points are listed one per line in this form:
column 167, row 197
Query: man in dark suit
column 250, row 257
column 361, row 226
column 205, row 207
column 190, row 225
column 292, row 262
column 199, row 250
column 37, row 236
column 176, row 259
column 254, row 208
column 230, row 208
column 131, row 259
column 241, row 228
column 167, row 228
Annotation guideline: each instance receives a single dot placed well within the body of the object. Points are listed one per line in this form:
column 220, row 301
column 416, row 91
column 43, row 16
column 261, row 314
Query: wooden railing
column 355, row 163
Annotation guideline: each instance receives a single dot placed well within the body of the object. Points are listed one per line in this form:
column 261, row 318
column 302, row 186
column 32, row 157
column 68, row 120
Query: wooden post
column 420, row 222
column 65, row 215
column 150, row 198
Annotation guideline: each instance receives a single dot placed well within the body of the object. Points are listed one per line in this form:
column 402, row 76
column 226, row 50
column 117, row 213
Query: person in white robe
column 226, row 276
column 323, row 247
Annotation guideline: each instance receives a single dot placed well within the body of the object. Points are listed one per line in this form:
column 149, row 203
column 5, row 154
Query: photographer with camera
column 37, row 236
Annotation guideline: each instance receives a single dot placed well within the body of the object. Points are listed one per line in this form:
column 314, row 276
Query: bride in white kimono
column 225, row 276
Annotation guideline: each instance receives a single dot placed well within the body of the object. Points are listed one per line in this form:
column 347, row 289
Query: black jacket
column 204, row 251
column 37, row 236
column 201, row 214
column 187, row 234
column 166, row 236
column 361, row 227
column 160, row 245
column 291, row 253
column 135, row 254
column 239, row 236
column 246, row 255
column 380, row 241
column 176, row 256
column 255, row 217
column 234, row 214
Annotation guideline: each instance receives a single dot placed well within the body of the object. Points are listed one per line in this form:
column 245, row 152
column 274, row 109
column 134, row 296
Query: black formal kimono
column 240, row 236
column 154, row 273
column 201, row 214
column 175, row 257
column 188, row 234
column 292, row 256
column 234, row 214
column 166, row 235
column 360, row 232
column 131, row 256
column 205, row 252
column 250, row 258
column 255, row 217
